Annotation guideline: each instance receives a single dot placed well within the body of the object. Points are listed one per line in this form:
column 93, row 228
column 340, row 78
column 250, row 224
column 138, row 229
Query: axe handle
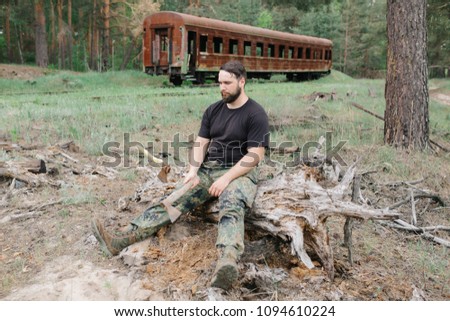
column 173, row 212
column 150, row 156
column 178, row 193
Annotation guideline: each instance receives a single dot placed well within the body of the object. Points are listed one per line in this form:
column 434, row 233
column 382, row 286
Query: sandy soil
column 22, row 72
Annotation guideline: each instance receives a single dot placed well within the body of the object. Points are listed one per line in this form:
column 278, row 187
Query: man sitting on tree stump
column 231, row 142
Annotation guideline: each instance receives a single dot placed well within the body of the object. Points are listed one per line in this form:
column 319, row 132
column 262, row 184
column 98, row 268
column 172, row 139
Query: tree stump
column 295, row 208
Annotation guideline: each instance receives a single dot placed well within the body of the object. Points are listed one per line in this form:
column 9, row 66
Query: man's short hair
column 236, row 68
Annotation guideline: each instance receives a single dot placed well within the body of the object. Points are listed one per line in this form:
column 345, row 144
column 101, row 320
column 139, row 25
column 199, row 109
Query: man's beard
column 232, row 97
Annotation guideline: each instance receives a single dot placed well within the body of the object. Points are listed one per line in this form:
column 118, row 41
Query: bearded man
column 230, row 144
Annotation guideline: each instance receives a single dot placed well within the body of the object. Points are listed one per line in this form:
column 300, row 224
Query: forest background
column 102, row 35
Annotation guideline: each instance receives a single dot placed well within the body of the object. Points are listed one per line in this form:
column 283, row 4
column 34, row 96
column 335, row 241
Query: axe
column 145, row 152
column 173, row 212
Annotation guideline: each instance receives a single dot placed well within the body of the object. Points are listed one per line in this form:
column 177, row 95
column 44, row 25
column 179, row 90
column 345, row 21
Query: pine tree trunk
column 89, row 42
column 127, row 56
column 53, row 52
column 61, row 37
column 19, row 43
column 70, row 38
column 94, row 39
column 347, row 26
column 406, row 115
column 41, row 36
column 8, row 31
column 106, row 37
column 83, row 43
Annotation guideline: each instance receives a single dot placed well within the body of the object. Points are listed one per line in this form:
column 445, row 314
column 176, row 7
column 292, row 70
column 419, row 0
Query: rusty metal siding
column 210, row 61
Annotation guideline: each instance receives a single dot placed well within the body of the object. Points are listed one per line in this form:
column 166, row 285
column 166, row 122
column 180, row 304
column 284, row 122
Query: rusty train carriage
column 189, row 47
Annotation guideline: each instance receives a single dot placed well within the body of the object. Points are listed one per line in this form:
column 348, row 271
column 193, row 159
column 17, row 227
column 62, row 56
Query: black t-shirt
column 232, row 131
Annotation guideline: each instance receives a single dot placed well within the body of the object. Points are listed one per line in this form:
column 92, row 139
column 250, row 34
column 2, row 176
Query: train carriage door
column 192, row 50
column 161, row 47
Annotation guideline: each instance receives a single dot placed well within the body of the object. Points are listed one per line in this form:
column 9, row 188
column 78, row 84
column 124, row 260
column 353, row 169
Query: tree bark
column 19, row 42
column 94, row 39
column 70, row 39
column 40, row 35
column 406, row 115
column 346, row 42
column 89, row 42
column 61, row 37
column 106, row 36
column 53, row 52
column 8, row 31
column 127, row 56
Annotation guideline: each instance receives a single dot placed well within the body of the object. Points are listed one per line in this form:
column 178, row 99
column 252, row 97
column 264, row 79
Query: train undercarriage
column 201, row 77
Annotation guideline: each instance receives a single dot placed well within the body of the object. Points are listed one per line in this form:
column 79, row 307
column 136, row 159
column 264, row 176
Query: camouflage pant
column 235, row 200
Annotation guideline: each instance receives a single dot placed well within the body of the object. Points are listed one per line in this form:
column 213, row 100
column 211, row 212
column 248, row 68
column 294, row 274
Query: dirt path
column 441, row 97
column 70, row 279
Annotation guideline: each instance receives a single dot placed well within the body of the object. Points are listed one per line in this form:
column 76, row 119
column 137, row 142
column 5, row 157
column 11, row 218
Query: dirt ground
column 22, row 72
column 48, row 252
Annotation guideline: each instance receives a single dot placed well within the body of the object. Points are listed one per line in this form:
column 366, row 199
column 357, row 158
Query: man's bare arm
column 245, row 165
column 197, row 156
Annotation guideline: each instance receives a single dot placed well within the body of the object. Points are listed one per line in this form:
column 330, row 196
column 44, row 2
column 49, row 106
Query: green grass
column 429, row 258
column 77, row 195
column 94, row 108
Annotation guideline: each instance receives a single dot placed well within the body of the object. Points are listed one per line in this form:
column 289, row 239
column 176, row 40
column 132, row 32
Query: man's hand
column 245, row 165
column 192, row 177
column 219, row 186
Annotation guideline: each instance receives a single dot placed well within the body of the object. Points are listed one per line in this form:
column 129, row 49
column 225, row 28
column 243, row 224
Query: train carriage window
column 218, row 44
column 291, row 52
column 281, row 51
column 316, row 54
column 271, row 51
column 233, row 47
column 164, row 42
column 300, row 53
column 247, row 48
column 320, row 54
column 259, row 49
column 308, row 53
column 203, row 43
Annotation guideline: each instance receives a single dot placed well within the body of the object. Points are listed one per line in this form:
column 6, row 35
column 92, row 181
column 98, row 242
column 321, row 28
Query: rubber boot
column 226, row 272
column 112, row 244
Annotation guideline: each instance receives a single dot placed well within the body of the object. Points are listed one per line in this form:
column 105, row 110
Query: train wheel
column 199, row 79
column 177, row 81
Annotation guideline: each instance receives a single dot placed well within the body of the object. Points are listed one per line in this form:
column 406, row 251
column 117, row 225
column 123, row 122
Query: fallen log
column 348, row 226
column 35, row 166
column 32, row 211
column 7, row 146
column 320, row 95
column 422, row 231
column 24, row 171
